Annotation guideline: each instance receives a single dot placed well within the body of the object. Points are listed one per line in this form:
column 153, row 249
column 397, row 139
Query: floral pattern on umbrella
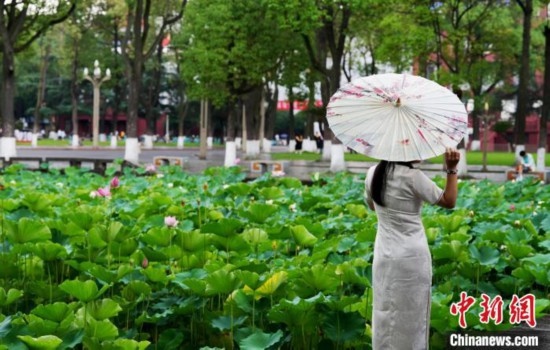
column 397, row 117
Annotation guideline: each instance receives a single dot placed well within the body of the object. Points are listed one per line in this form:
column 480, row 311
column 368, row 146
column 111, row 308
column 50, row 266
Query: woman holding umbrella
column 401, row 119
column 402, row 269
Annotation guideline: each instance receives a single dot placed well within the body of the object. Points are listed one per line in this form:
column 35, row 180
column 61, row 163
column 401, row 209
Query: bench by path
column 98, row 165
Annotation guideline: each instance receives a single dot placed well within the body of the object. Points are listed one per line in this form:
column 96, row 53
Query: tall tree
column 472, row 54
column 526, row 7
column 231, row 50
column 140, row 41
column 543, row 126
column 21, row 23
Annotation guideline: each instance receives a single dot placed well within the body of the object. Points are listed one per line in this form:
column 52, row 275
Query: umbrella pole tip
column 398, row 102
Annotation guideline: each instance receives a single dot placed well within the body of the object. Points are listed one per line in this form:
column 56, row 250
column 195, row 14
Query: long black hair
column 379, row 179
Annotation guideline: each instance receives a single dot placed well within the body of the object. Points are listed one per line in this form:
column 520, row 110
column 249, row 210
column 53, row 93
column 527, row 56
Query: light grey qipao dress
column 402, row 265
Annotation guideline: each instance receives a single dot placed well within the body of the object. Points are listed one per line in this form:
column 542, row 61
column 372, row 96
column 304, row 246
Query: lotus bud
column 145, row 263
column 115, row 182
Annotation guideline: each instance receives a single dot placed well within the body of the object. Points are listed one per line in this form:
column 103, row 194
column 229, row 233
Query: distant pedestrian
column 319, row 141
column 299, row 141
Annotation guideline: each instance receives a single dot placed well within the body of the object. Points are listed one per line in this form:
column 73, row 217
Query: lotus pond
column 161, row 259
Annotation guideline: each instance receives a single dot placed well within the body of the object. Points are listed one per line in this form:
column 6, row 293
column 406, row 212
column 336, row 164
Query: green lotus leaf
column 225, row 227
column 249, row 278
column 448, row 250
column 94, row 237
column 10, row 297
column 298, row 313
column 27, row 230
column 540, row 272
column 215, row 215
column 486, row 256
column 39, row 326
column 318, row 278
column 239, row 189
column 10, row 204
column 450, row 223
column 255, row 236
column 260, row 212
column 260, row 340
column 155, row 275
column 124, row 248
column 172, row 252
column 357, row 210
column 101, row 330
column 49, row 251
column 170, row 339
column 46, row 342
column 461, row 235
column 519, row 250
column 290, row 182
column 136, row 289
column 38, row 202
column 103, row 309
column 545, row 244
column 517, row 236
column 84, row 291
column 193, row 241
column 113, row 231
column 538, row 259
column 231, row 244
column 271, row 285
column 302, row 236
column 227, row 322
column 271, row 192
column 56, row 312
column 154, row 255
column 343, row 326
column 523, row 274
column 126, row 344
column 158, row 236
column 221, row 282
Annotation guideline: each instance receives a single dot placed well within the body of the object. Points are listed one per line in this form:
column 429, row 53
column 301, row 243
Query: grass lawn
column 473, row 157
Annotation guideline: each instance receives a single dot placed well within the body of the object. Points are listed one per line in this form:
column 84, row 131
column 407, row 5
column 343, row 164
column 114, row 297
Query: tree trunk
column 75, row 142
column 543, row 130
column 271, row 114
column 203, row 128
column 230, row 146
column 41, row 90
column 7, row 146
column 523, row 92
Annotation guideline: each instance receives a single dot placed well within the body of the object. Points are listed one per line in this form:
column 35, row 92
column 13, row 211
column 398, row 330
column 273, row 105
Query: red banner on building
column 298, row 105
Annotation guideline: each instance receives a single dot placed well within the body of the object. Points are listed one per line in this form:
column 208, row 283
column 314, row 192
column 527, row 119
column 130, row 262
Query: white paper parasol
column 397, row 117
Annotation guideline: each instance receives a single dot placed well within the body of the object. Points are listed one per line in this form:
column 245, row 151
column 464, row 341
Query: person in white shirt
column 525, row 163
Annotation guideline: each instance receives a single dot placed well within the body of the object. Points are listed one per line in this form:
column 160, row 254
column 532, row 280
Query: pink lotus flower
column 145, row 263
column 103, row 192
column 151, row 168
column 170, row 221
column 237, row 161
column 115, row 182
column 512, row 207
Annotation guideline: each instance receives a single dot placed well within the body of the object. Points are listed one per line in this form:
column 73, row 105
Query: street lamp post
column 96, row 80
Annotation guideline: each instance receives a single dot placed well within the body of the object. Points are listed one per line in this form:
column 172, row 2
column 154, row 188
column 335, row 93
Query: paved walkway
column 215, row 157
